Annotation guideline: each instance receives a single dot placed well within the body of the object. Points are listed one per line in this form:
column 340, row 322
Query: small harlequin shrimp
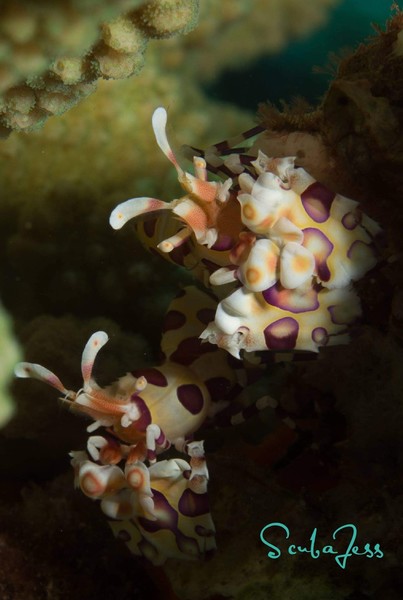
column 160, row 508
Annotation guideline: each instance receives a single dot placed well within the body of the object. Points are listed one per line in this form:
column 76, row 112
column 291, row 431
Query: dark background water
column 289, row 73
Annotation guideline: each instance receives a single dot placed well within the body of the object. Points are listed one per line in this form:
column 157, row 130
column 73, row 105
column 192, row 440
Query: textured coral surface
column 53, row 54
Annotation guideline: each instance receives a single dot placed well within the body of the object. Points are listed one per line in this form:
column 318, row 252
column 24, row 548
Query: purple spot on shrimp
column 291, row 300
column 153, row 376
column 124, row 535
column 323, row 272
column 338, row 316
column 360, row 251
column 206, row 315
column 321, row 247
column 192, row 504
column 146, row 549
column 282, row 334
column 161, row 439
column 187, row 545
column 178, row 254
column 167, row 516
column 333, row 318
column 191, row 397
column 149, row 227
column 350, row 220
column 173, row 320
column 145, row 416
column 224, row 242
column 190, row 349
column 320, row 336
column 317, row 201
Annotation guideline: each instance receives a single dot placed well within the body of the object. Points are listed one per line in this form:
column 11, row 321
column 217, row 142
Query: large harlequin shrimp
column 160, row 510
column 293, row 245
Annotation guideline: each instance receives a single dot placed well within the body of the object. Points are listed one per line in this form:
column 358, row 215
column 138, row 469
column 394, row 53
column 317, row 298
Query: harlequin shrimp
column 160, row 509
column 289, row 245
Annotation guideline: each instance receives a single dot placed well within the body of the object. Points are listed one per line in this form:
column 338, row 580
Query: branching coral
column 52, row 55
